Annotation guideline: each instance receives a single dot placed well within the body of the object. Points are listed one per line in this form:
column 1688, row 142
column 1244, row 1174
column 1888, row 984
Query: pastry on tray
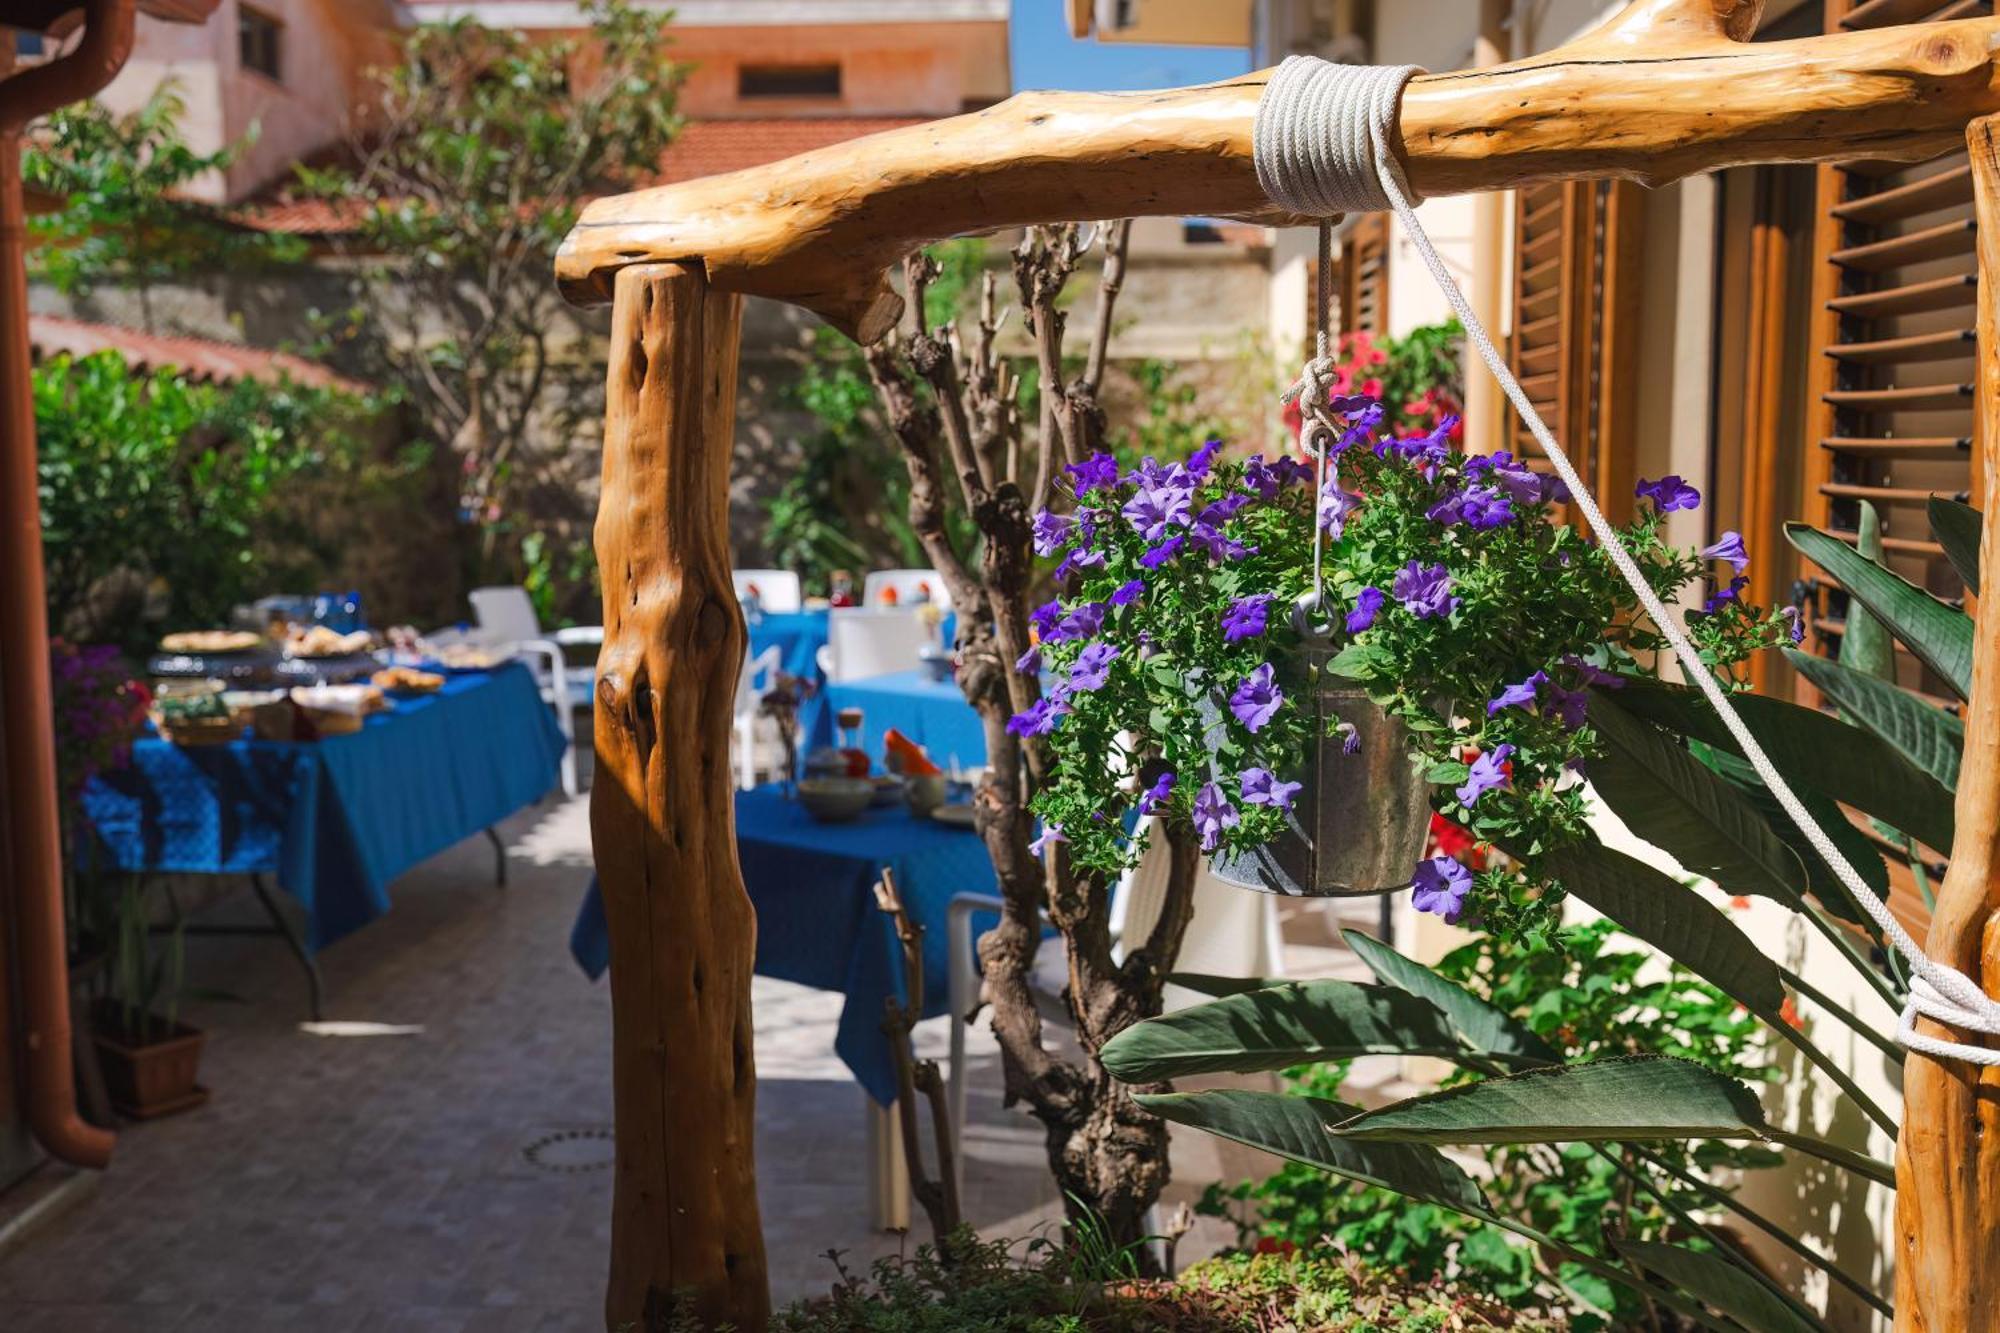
column 319, row 641
column 407, row 680
column 211, row 641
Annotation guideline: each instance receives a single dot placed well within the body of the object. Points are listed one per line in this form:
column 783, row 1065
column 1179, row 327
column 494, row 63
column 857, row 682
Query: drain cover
column 567, row 1151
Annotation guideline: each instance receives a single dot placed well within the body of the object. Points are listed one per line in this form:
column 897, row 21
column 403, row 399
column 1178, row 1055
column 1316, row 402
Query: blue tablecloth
column 817, row 924
column 934, row 714
column 336, row 819
column 798, row 636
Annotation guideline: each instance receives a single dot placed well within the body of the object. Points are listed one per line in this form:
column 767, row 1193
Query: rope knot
column 1319, row 129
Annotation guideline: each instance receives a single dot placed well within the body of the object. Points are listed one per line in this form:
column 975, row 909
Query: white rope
column 1303, row 162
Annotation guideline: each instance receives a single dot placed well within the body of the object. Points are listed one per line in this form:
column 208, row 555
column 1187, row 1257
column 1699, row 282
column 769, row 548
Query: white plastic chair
column 507, row 619
column 1234, row 933
column 908, row 583
column 749, row 698
column 778, row 590
column 864, row 642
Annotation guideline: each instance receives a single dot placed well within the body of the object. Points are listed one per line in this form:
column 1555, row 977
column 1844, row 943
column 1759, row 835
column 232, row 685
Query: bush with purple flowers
column 1450, row 591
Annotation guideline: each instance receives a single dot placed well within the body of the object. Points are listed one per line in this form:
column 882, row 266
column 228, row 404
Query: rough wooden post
column 1948, row 1154
column 684, row 1219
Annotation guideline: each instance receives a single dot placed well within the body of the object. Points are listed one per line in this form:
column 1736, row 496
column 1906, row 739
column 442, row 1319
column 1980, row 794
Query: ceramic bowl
column 835, row 800
column 925, row 793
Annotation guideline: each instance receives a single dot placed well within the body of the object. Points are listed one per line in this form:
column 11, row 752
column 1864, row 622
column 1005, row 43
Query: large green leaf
column 1928, row 737
column 1956, row 527
column 1673, row 918
column 1481, row 1025
column 1207, row 983
column 1723, row 1286
column 1632, row 1099
column 1852, row 843
column 1865, row 644
column 1812, row 749
column 1296, row 1128
column 1940, row 635
column 1277, row 1028
column 1672, row 800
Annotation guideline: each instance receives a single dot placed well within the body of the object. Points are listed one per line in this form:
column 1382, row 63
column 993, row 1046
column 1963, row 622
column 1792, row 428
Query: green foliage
column 160, row 497
column 980, row 1287
column 125, row 221
column 1170, row 420
column 481, row 143
column 1587, row 1000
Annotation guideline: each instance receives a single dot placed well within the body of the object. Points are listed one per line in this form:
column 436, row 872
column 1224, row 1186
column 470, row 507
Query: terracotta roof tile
column 198, row 358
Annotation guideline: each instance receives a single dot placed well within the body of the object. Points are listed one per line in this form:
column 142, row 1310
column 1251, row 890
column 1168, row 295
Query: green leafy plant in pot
column 1318, row 659
column 150, row 1058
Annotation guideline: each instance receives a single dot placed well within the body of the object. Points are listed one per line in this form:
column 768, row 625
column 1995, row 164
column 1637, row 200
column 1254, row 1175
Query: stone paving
column 385, row 1183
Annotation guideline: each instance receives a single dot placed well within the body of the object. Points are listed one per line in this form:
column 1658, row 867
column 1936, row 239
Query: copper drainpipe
column 26, row 705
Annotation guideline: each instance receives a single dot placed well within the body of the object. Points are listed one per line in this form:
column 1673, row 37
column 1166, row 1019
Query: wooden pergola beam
column 1664, row 90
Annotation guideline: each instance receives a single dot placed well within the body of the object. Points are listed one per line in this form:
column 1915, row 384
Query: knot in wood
column 927, row 354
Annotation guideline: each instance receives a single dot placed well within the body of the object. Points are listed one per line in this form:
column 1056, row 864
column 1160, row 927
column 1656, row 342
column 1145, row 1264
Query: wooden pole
column 1948, row 1154
column 684, row 1220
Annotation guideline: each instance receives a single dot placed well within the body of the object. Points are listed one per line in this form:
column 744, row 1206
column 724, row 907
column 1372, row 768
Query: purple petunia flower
column 1051, row 835
column 1669, row 493
column 1156, row 795
column 1099, row 471
column 1488, row 772
column 1479, row 507
column 1082, row 623
column 1224, row 509
column 1203, row 459
column 1367, row 605
column 1093, row 667
column 1350, row 738
column 1260, row 786
column 1261, row 477
column 1358, row 408
column 1039, row 719
column 1424, row 590
column 1081, row 558
column 1517, row 696
column 1046, row 617
column 1220, row 547
column 1212, row 814
column 1050, row 531
column 1591, row 675
column 1571, row 707
column 1245, row 617
column 1729, row 546
column 1165, row 551
column 1257, row 698
column 1128, row 592
column 1334, row 507
column 1724, row 596
column 1154, row 510
column 1439, row 887
column 1030, row 662
column 1794, row 623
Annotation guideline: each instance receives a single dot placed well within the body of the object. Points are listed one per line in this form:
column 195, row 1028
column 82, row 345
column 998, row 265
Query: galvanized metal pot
column 1358, row 825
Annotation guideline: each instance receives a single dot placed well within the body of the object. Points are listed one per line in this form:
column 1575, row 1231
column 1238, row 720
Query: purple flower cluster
column 1334, row 507
column 1156, row 795
column 1669, row 493
column 1478, row 507
column 1260, row 786
column 1212, row 815
column 1097, row 472
column 1729, row 546
column 1424, row 590
column 1162, row 499
column 1257, row 698
column 1488, row 772
column 1439, row 887
column 1245, row 617
column 1367, row 605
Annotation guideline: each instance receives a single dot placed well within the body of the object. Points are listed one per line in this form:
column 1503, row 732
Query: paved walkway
column 396, row 1183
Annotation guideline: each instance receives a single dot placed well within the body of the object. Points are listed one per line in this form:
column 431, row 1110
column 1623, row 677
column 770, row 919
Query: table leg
column 292, row 941
column 888, row 1175
column 499, row 858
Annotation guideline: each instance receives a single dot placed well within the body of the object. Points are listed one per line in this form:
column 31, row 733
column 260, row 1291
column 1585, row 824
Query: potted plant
column 150, row 1058
column 1229, row 634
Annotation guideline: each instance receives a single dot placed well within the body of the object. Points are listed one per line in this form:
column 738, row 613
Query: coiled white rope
column 1322, row 144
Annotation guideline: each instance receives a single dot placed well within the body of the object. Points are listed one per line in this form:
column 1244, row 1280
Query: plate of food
column 211, row 642
column 317, row 641
column 407, row 680
column 469, row 657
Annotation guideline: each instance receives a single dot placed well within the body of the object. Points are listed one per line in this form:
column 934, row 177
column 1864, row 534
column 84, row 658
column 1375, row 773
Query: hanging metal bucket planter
column 1358, row 823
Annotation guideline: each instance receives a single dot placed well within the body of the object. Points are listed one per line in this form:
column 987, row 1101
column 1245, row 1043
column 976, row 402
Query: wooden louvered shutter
column 1893, row 341
column 1361, row 290
column 1574, row 345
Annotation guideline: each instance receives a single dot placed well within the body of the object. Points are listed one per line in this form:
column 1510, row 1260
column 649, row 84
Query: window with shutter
column 1574, row 344
column 1892, row 342
column 1361, row 289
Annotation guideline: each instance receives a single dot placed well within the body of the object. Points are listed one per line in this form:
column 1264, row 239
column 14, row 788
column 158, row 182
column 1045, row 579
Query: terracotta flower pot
column 154, row 1079
column 1357, row 825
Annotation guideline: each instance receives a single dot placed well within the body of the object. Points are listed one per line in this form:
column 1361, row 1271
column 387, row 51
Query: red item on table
column 905, row 755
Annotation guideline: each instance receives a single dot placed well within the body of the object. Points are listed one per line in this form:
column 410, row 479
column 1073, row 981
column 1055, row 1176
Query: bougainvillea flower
column 1669, row 493
column 1093, row 667
column 1050, row 531
column 1729, row 546
column 1245, row 617
column 1260, row 786
column 1051, row 835
column 1424, row 590
column 1257, row 698
column 1128, row 592
column 1039, row 719
column 1521, row 695
column 1030, row 662
column 1156, row 795
column 1097, row 472
column 1212, row 814
column 1489, row 771
column 1165, row 551
column 1367, row 605
column 1439, row 887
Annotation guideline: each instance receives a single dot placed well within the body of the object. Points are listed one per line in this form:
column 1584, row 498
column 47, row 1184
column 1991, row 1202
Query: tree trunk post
column 684, row 1221
column 1948, row 1153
